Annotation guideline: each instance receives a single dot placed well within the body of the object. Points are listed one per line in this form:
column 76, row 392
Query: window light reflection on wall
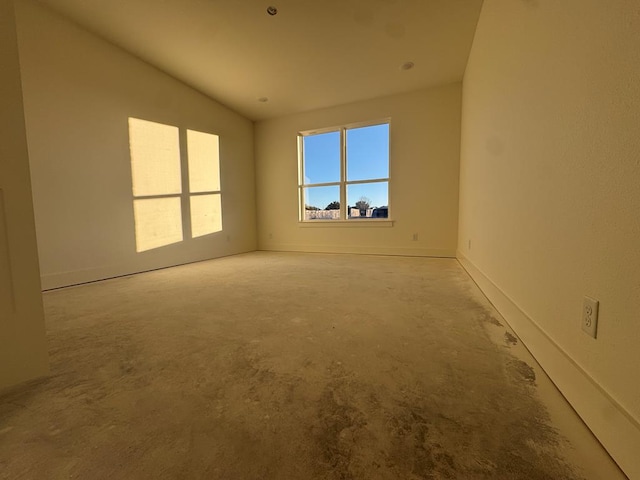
column 157, row 183
column 159, row 201
column 204, row 183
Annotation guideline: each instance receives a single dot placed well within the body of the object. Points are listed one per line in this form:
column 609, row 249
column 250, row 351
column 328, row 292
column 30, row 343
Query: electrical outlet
column 590, row 316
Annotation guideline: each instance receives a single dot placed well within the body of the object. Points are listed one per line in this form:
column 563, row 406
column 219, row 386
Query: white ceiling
column 312, row 54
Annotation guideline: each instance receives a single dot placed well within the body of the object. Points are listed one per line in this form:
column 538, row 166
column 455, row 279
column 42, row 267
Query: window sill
column 345, row 223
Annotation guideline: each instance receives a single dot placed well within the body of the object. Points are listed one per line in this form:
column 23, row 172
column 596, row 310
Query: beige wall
column 79, row 92
column 23, row 351
column 550, row 193
column 424, row 157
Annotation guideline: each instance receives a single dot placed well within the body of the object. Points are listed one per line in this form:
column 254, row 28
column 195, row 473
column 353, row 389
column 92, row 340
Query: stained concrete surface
column 290, row 366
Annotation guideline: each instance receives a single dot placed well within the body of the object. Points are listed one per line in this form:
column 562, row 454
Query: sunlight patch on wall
column 155, row 158
column 204, row 162
column 159, row 201
column 158, row 222
column 206, row 214
column 204, row 183
column 156, row 183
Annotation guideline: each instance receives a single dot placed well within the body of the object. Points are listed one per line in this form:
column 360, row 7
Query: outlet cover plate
column 590, row 316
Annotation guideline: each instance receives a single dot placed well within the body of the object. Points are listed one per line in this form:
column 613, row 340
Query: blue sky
column 367, row 158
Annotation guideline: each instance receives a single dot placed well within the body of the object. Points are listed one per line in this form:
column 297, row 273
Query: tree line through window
column 344, row 173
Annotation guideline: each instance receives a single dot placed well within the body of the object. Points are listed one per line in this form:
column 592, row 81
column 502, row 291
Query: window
column 344, row 173
column 157, row 183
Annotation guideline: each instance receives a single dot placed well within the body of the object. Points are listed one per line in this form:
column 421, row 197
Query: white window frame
column 343, row 183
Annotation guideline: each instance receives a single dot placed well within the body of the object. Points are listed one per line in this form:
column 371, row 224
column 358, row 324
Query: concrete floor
column 290, row 366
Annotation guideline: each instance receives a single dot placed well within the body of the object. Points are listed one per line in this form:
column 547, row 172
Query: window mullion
column 327, row 184
column 373, row 180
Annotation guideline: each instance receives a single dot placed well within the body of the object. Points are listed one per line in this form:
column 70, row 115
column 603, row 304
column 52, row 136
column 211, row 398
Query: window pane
column 206, row 214
column 204, row 161
column 368, row 200
column 316, row 201
column 368, row 152
column 158, row 222
column 321, row 154
column 155, row 158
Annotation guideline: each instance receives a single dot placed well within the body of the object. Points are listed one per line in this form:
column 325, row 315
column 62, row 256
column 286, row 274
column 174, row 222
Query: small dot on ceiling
column 271, row 10
column 407, row 66
column 263, row 99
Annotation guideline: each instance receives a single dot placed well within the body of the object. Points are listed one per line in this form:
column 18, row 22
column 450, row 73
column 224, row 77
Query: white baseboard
column 613, row 426
column 363, row 250
column 79, row 277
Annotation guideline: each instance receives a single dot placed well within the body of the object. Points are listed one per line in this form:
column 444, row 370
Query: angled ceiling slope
column 311, row 54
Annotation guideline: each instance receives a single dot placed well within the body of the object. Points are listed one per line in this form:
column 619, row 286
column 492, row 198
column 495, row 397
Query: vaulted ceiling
column 311, row 54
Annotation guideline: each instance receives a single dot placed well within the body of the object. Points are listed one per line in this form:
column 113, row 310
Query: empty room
column 360, row 239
